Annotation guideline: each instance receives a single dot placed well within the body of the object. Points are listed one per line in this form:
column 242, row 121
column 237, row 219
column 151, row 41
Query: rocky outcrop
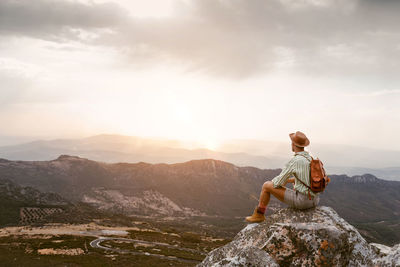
column 289, row 237
column 389, row 256
column 148, row 202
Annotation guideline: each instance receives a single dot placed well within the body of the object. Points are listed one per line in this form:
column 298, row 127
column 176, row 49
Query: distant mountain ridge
column 389, row 173
column 339, row 159
column 116, row 148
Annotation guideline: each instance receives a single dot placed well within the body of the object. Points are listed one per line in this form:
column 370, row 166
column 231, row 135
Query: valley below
column 95, row 244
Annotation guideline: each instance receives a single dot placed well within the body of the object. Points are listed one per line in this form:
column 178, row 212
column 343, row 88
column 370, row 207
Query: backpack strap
column 309, row 188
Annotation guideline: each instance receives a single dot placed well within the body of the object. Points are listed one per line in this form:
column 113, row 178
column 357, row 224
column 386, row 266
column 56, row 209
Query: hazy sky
column 205, row 70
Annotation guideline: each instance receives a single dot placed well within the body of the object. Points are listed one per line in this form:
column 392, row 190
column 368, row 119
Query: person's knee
column 267, row 186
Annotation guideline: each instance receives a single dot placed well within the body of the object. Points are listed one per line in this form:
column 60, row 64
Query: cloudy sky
column 202, row 70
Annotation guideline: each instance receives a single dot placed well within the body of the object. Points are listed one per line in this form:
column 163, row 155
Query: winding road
column 97, row 244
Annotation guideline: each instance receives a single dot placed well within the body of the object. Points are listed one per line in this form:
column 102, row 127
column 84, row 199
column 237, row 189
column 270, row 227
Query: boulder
column 290, row 237
column 389, row 256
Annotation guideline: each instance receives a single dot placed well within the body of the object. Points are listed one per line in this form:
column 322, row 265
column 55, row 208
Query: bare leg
column 265, row 195
column 267, row 190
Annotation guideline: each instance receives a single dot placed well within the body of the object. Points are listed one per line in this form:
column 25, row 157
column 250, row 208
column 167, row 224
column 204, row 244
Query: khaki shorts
column 298, row 200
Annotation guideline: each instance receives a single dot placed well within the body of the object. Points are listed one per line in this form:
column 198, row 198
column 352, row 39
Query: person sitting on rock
column 297, row 198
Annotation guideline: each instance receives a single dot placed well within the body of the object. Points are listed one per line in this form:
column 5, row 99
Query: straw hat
column 299, row 139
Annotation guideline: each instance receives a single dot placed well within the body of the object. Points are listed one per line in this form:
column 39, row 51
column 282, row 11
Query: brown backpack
column 318, row 177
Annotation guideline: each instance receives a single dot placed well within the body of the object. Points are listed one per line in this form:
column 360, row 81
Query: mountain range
column 197, row 188
column 338, row 159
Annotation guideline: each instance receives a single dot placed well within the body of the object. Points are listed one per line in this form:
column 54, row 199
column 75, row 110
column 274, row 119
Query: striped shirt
column 299, row 165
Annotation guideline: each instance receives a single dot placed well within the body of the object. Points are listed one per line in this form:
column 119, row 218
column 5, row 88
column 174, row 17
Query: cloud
column 234, row 39
column 56, row 20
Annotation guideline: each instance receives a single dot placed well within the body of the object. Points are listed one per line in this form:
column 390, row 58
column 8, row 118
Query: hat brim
column 306, row 144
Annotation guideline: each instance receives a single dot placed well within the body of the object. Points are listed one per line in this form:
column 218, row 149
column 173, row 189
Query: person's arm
column 285, row 174
column 290, row 180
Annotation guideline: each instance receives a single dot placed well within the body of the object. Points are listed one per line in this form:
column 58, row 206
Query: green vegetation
column 22, row 251
column 185, row 239
column 154, row 249
column 385, row 232
column 10, row 210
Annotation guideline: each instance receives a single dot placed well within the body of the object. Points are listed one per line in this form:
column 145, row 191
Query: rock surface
column 314, row 237
column 389, row 256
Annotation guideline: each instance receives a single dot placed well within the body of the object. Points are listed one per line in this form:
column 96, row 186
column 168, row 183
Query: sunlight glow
column 139, row 8
column 210, row 144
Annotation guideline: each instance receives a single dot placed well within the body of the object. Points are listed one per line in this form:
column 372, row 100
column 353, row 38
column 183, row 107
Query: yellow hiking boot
column 255, row 217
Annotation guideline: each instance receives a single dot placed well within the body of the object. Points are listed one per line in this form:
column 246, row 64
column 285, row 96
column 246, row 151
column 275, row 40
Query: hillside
column 199, row 188
column 26, row 204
